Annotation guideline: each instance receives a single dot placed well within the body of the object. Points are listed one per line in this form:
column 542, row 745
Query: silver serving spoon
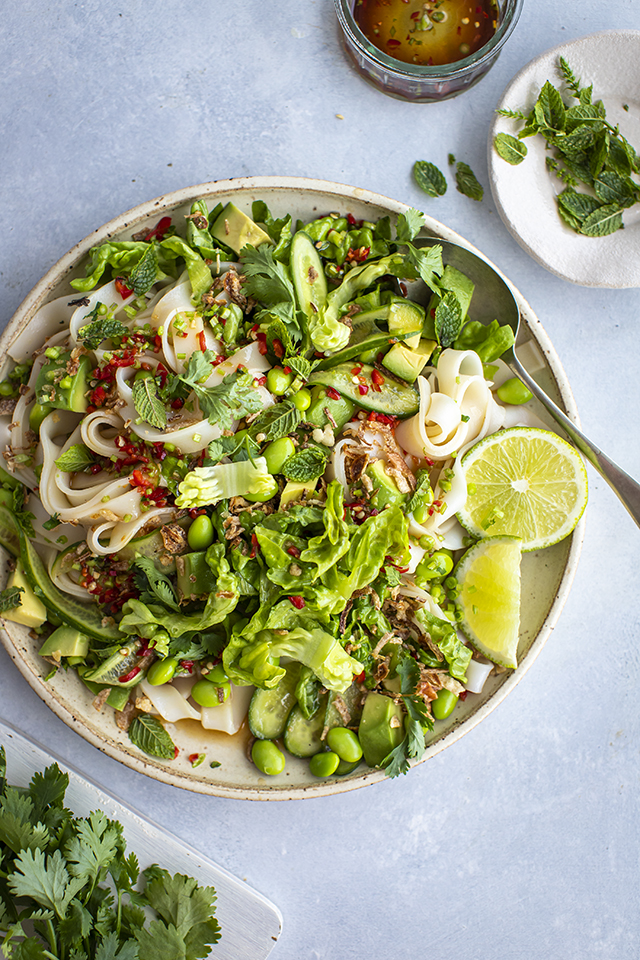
column 493, row 298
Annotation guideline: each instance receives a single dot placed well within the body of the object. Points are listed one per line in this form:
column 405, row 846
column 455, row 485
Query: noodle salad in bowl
column 233, row 483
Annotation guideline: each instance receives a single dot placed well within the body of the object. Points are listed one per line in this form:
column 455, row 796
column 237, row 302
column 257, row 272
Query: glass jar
column 415, row 82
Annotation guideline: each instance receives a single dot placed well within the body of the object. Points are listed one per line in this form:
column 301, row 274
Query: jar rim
column 510, row 13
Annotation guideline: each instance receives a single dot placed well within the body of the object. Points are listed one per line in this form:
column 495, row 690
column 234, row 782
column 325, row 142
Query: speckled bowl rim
column 334, row 194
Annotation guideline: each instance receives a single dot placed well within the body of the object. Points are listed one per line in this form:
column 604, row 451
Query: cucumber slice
column 9, row 532
column 391, row 397
column 85, row 617
column 374, row 342
column 302, row 736
column 269, row 709
column 116, row 666
column 307, row 274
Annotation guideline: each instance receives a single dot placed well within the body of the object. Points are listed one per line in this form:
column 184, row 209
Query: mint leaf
column 143, row 276
column 75, row 459
column 148, row 404
column 429, row 178
column 10, row 598
column 549, row 110
column 577, row 205
column 423, row 494
column 448, row 319
column 147, row 733
column 603, row 221
column 510, row 148
column 278, row 421
column 467, row 183
column 306, row 465
column 100, row 328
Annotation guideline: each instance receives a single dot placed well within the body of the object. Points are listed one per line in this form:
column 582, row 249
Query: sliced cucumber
column 390, row 396
column 302, row 736
column 269, row 709
column 307, row 273
column 374, row 342
column 9, row 532
column 151, row 546
column 85, row 617
column 116, row 666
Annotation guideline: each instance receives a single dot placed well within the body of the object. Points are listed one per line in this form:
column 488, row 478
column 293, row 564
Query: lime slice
column 525, row 483
column 489, row 599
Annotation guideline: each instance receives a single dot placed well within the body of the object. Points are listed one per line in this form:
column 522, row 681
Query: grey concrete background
column 520, row 841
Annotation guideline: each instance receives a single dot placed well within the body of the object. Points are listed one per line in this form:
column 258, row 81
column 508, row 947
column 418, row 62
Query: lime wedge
column 489, row 600
column 523, row 482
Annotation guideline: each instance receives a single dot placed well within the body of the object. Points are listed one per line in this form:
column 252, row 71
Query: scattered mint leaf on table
column 467, row 182
column 429, row 178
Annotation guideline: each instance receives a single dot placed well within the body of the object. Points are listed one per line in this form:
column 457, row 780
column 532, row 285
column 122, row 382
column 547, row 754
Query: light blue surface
column 520, row 842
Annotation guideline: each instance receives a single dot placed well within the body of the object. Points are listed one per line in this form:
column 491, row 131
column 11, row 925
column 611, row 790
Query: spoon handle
column 624, row 486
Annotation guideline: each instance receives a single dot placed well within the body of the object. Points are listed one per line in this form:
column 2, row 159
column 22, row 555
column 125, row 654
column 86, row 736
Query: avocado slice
column 235, row 229
column 340, row 409
column 296, row 491
column 406, row 363
column 65, row 642
column 57, row 388
column 32, row 611
column 406, row 317
column 385, row 488
column 381, row 728
column 455, row 282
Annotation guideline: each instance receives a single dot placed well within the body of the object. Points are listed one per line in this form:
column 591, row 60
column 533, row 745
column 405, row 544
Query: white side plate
column 525, row 194
column 250, row 923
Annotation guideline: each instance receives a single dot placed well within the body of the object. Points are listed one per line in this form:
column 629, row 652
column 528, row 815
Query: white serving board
column 250, row 924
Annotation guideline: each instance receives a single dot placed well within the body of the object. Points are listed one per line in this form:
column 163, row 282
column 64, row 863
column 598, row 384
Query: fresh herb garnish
column 510, row 148
column 277, row 421
column 429, row 178
column 306, row 465
column 75, row 459
column 155, row 585
column 148, row 404
column 467, row 182
column 10, row 598
column 99, row 328
column 418, row 719
column 70, row 889
column 586, row 149
column 147, row 733
column 144, row 274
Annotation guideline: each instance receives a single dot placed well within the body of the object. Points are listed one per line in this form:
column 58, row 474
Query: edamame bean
column 345, row 743
column 7, row 389
column 437, row 566
column 302, row 399
column 162, row 671
column 278, row 452
column 278, row 382
column 206, row 694
column 443, row 705
column 267, row 757
column 324, row 764
column 200, row 534
column 6, row 498
column 513, row 391
column 217, row 675
column 421, row 513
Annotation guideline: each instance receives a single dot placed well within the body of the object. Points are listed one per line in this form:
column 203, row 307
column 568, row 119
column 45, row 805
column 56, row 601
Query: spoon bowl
column 494, row 299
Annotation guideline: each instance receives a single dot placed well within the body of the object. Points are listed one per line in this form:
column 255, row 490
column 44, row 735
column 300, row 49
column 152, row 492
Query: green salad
column 230, row 483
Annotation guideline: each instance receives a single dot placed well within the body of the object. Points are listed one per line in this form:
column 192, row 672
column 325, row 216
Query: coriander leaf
column 178, row 899
column 111, row 948
column 467, row 182
column 427, row 261
column 101, row 328
column 277, row 421
column 77, row 924
column 75, row 459
column 24, row 518
column 143, row 276
column 409, row 225
column 268, row 281
column 96, row 844
column 45, row 880
column 429, row 178
column 448, row 319
column 397, row 761
column 237, row 448
column 306, row 465
column 148, row 404
column 10, row 598
column 18, row 827
column 234, row 398
column 148, row 734
column 409, row 673
column 415, row 733
column 160, row 942
column 158, row 583
column 510, row 148
column 198, row 367
column 603, row 221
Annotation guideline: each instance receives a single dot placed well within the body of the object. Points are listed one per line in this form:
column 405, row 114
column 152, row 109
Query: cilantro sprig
column 70, row 890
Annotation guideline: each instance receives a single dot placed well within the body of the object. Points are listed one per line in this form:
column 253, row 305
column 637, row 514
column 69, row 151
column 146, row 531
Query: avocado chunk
column 381, row 728
column 297, row 491
column 385, row 488
column 455, row 282
column 195, row 577
column 406, row 317
column 32, row 611
column 65, row 642
column 235, row 229
column 55, row 387
column 407, row 363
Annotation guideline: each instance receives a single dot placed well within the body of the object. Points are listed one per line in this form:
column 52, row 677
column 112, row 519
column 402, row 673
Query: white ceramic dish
column 546, row 577
column 525, row 194
column 250, row 924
